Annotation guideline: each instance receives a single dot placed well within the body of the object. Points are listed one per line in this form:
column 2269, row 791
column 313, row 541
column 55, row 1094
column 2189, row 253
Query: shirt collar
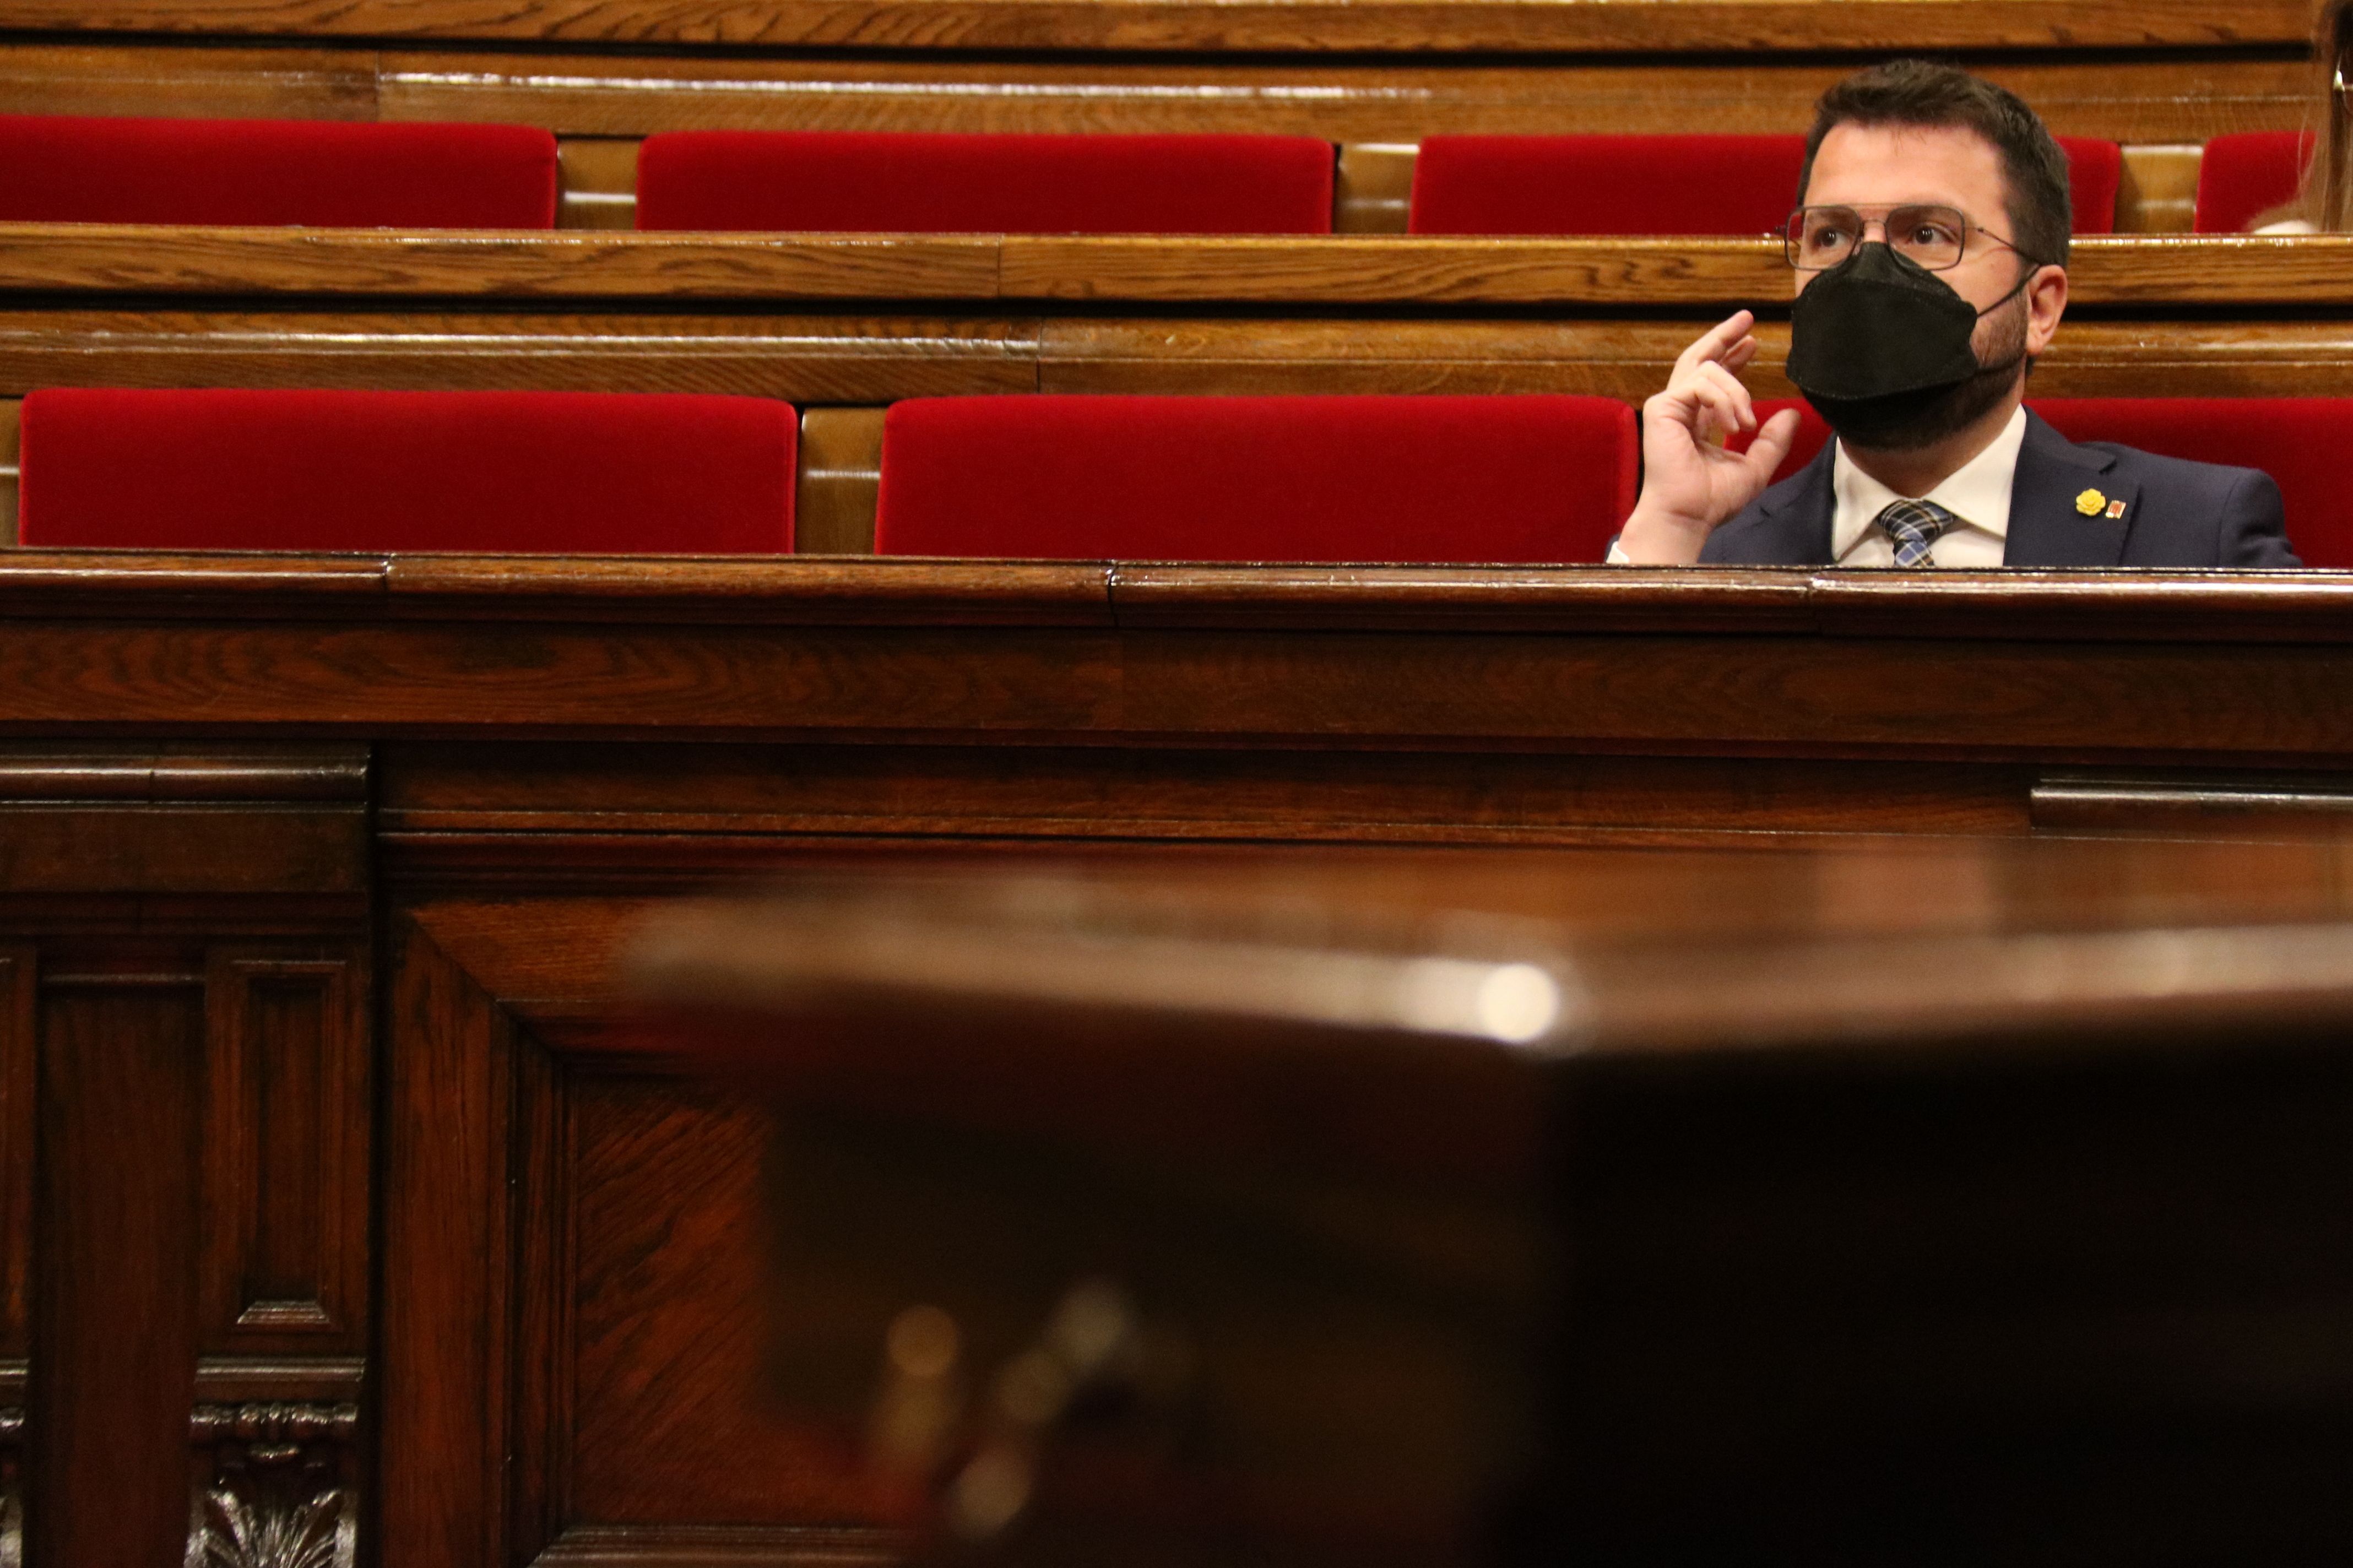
column 1978, row 493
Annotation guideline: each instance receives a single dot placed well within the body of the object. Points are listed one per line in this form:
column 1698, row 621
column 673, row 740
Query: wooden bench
column 843, row 324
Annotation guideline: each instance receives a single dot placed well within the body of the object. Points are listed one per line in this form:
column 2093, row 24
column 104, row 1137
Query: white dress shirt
column 1977, row 494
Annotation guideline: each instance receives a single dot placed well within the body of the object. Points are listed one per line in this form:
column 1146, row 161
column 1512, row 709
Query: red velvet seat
column 946, row 184
column 1689, row 184
column 315, row 173
column 1538, row 478
column 525, row 471
column 2245, row 174
column 2299, row 441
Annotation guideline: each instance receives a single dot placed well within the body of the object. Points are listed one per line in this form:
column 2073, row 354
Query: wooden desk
column 282, row 838
column 1669, row 1209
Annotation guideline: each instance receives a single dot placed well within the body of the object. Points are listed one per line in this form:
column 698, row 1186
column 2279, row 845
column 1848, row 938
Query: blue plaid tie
column 1913, row 527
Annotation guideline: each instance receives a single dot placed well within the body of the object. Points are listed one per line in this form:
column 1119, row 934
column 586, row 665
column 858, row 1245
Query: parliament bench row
column 1440, row 479
column 324, row 174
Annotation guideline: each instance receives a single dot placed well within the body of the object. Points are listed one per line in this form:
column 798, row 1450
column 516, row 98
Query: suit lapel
column 2055, row 481
column 1795, row 526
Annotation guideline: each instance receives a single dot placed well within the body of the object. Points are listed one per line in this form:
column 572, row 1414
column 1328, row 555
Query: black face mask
column 1880, row 347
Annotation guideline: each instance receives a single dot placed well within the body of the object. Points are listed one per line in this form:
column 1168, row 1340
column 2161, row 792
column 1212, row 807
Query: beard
column 1911, row 421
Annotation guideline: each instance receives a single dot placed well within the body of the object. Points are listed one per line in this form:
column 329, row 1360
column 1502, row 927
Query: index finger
column 1712, row 343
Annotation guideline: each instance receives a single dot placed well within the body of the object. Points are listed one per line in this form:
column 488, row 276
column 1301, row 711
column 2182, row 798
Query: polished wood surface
column 1265, row 25
column 87, row 258
column 282, row 834
column 1934, row 1171
column 860, row 359
column 2153, row 97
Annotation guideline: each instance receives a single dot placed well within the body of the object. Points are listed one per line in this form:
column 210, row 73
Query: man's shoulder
column 2157, row 474
column 1774, row 530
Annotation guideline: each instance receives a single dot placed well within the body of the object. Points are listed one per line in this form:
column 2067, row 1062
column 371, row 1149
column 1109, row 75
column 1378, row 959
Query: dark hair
column 1921, row 92
column 2325, row 197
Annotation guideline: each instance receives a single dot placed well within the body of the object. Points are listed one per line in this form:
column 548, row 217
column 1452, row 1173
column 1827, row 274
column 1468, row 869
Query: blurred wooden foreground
column 1942, row 1204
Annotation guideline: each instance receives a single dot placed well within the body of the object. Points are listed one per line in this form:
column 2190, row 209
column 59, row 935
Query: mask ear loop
column 2019, row 358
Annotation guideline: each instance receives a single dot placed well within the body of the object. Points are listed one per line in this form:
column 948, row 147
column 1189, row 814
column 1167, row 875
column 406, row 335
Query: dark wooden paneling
column 447, row 1243
column 1695, row 25
column 673, row 1424
column 582, row 1242
column 455, row 807
column 286, row 1144
column 19, row 1093
column 115, row 1326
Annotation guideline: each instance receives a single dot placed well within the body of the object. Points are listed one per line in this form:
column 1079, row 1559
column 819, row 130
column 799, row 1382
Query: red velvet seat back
column 315, row 173
column 1604, row 185
column 1690, row 184
column 563, row 471
column 945, row 184
column 1534, row 478
column 2245, row 174
column 2299, row 441
column 2095, row 171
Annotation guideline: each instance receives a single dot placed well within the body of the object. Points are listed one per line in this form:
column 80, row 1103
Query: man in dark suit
column 1930, row 252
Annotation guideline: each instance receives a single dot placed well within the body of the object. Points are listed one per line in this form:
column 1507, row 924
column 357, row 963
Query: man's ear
column 2046, row 302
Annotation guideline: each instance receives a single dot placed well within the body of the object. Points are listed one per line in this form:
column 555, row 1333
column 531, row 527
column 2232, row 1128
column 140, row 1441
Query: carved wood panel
column 122, row 1040
column 575, row 1267
column 286, row 1113
column 184, row 1022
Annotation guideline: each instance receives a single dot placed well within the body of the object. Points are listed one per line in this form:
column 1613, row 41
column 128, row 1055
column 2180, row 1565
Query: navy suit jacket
column 2175, row 514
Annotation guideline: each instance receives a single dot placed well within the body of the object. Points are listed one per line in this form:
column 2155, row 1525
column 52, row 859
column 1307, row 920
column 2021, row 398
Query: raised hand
column 1690, row 482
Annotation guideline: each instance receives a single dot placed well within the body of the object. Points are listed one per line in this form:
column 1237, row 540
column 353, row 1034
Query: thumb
column 1772, row 443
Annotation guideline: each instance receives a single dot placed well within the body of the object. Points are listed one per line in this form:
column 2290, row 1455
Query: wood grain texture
column 841, row 481
column 596, row 182
column 2176, row 94
column 2170, row 95
column 522, row 264
column 289, row 1104
column 448, row 1246
column 2093, row 356
column 96, row 259
column 804, row 358
column 823, row 359
column 489, row 814
column 114, row 1329
column 214, row 83
column 19, row 1092
column 2133, row 269
column 1730, row 25
column 673, row 1420
column 638, row 1430
column 11, row 444
column 2045, row 666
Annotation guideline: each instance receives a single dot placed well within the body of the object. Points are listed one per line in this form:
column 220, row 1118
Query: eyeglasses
column 1936, row 237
